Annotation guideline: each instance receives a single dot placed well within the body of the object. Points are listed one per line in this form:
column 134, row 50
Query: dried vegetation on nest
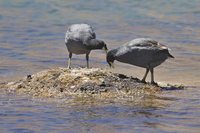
column 80, row 82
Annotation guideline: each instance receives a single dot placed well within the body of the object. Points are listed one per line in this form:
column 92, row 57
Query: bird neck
column 114, row 52
column 94, row 44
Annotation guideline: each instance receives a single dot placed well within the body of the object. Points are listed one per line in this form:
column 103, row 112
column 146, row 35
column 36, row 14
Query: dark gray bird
column 81, row 39
column 141, row 52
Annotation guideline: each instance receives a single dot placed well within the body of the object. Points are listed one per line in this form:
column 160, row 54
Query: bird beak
column 111, row 64
column 105, row 49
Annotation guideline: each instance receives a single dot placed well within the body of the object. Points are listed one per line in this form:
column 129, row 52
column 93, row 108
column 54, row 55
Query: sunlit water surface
column 32, row 39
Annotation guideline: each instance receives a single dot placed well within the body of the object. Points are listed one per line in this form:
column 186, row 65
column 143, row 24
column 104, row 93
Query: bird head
column 103, row 46
column 97, row 44
column 110, row 59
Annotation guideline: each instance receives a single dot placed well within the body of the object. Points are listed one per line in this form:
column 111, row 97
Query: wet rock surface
column 94, row 82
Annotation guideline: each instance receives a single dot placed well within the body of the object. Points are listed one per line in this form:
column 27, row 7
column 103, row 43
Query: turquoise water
column 32, row 39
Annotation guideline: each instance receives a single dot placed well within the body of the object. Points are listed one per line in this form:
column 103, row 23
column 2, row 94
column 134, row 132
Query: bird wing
column 145, row 43
column 80, row 32
column 140, row 52
column 140, row 43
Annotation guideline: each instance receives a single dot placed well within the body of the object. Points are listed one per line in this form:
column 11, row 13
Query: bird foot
column 143, row 81
column 154, row 83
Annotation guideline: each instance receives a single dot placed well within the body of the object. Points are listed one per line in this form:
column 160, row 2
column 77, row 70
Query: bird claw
column 154, row 83
column 143, row 81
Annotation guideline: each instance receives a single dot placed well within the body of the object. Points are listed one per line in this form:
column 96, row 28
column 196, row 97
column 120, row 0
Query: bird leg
column 145, row 75
column 69, row 61
column 87, row 59
column 152, row 77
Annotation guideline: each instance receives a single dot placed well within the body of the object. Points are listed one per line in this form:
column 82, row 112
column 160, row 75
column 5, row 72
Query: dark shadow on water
column 172, row 88
column 177, row 87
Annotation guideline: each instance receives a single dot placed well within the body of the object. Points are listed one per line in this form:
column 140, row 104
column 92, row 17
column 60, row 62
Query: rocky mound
column 70, row 83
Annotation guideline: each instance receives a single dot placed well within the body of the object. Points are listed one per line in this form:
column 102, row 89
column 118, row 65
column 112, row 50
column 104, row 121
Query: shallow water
column 171, row 112
column 32, row 39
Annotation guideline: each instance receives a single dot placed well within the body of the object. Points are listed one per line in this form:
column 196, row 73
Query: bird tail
column 169, row 55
